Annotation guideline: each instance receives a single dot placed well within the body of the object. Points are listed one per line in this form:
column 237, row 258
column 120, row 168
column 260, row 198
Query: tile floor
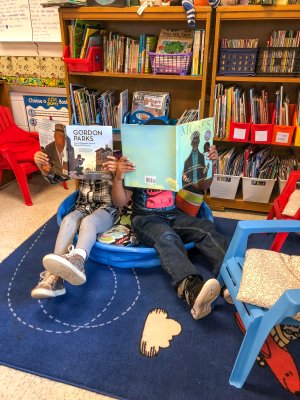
column 17, row 223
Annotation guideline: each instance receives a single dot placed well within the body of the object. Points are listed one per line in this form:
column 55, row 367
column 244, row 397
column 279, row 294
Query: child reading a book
column 158, row 223
column 94, row 213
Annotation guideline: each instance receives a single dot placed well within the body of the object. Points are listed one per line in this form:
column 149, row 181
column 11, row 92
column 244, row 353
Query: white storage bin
column 257, row 190
column 224, row 186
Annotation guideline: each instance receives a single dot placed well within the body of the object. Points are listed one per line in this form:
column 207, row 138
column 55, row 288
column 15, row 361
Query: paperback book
column 175, row 41
column 88, row 148
column 169, row 157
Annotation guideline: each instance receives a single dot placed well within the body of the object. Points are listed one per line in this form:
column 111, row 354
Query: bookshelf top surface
column 259, row 12
column 130, row 13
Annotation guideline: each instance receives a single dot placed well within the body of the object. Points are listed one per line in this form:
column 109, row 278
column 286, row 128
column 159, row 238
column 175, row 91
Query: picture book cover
column 175, row 41
column 169, row 157
column 53, row 142
column 88, row 148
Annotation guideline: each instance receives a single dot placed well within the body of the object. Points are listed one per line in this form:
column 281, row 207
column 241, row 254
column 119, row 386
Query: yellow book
column 89, row 32
column 228, row 111
column 196, row 52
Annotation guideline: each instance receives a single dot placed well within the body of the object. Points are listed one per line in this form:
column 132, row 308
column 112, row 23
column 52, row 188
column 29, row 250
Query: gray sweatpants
column 89, row 226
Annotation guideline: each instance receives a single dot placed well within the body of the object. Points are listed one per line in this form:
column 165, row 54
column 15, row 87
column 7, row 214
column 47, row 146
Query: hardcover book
column 53, row 142
column 169, row 157
column 88, row 148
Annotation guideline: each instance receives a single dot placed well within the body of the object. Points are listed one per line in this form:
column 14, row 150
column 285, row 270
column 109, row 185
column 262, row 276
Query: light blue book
column 168, row 157
column 88, row 147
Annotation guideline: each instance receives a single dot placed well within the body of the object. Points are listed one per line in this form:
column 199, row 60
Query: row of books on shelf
column 125, row 54
column 254, row 162
column 92, row 106
column 257, row 168
column 240, row 114
column 281, row 55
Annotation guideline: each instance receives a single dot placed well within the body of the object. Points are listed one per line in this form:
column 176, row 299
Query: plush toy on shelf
column 188, row 5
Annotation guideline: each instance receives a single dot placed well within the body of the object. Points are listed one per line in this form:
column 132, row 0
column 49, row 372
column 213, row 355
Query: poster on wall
column 27, row 21
column 41, row 108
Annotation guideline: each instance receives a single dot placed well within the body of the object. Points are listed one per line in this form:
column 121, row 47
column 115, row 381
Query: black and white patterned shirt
column 93, row 194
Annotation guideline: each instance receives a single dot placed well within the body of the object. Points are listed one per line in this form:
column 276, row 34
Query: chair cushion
column 189, row 202
column 266, row 276
column 120, row 233
column 293, row 204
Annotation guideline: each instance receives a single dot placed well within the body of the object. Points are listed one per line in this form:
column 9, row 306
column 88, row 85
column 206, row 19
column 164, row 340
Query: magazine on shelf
column 88, row 148
column 168, row 157
column 156, row 103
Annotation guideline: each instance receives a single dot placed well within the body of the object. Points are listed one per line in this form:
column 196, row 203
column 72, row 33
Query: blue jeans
column 167, row 234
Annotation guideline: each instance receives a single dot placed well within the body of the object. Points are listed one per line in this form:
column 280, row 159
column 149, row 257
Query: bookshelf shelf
column 242, row 22
column 185, row 91
column 139, row 76
column 254, row 79
column 237, row 204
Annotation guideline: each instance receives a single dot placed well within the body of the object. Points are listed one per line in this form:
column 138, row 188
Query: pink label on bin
column 282, row 137
column 239, row 133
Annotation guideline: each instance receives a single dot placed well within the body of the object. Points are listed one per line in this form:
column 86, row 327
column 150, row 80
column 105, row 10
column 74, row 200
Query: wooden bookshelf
column 240, row 22
column 185, row 91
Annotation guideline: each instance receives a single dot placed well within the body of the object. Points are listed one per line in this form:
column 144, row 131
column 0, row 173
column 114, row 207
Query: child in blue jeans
column 94, row 213
column 158, row 223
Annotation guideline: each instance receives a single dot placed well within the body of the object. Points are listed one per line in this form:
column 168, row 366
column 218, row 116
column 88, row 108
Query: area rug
column 126, row 334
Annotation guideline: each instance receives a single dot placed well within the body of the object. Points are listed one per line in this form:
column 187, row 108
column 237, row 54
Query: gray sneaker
column 49, row 286
column 69, row 267
column 199, row 294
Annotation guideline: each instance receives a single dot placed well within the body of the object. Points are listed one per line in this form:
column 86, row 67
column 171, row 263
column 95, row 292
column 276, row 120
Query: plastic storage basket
column 257, row 190
column 176, row 64
column 237, row 62
column 93, row 62
column 224, row 186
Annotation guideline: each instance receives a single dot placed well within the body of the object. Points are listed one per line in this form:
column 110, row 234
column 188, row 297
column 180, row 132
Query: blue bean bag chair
column 123, row 256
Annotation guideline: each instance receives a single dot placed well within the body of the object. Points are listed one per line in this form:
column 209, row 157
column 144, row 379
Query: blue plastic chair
column 258, row 321
column 122, row 256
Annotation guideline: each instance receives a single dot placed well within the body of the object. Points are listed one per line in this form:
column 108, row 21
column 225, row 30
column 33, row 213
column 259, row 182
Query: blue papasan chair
column 124, row 256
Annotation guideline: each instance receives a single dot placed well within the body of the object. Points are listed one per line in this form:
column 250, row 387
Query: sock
column 81, row 253
column 188, row 5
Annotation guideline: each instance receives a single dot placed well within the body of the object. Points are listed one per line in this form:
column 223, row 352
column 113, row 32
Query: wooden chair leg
column 65, row 185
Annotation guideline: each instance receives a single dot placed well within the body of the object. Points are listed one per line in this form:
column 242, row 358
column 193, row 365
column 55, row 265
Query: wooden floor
column 17, row 223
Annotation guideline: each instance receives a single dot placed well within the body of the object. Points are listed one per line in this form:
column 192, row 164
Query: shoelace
column 71, row 250
column 45, row 275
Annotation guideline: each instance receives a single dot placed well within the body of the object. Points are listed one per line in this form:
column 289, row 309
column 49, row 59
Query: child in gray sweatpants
column 94, row 213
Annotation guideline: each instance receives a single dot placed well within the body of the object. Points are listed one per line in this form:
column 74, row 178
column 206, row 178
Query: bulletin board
column 28, row 21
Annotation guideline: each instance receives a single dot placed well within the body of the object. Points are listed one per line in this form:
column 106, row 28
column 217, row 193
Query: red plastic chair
column 278, row 206
column 17, row 148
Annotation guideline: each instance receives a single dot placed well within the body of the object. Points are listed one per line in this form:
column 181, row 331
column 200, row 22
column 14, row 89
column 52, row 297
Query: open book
column 168, row 157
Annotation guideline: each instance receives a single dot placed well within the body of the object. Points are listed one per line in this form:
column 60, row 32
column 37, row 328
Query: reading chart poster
column 53, row 108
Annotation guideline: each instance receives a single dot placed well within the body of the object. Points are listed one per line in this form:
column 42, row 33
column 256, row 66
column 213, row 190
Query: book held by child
column 168, row 157
column 88, row 148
